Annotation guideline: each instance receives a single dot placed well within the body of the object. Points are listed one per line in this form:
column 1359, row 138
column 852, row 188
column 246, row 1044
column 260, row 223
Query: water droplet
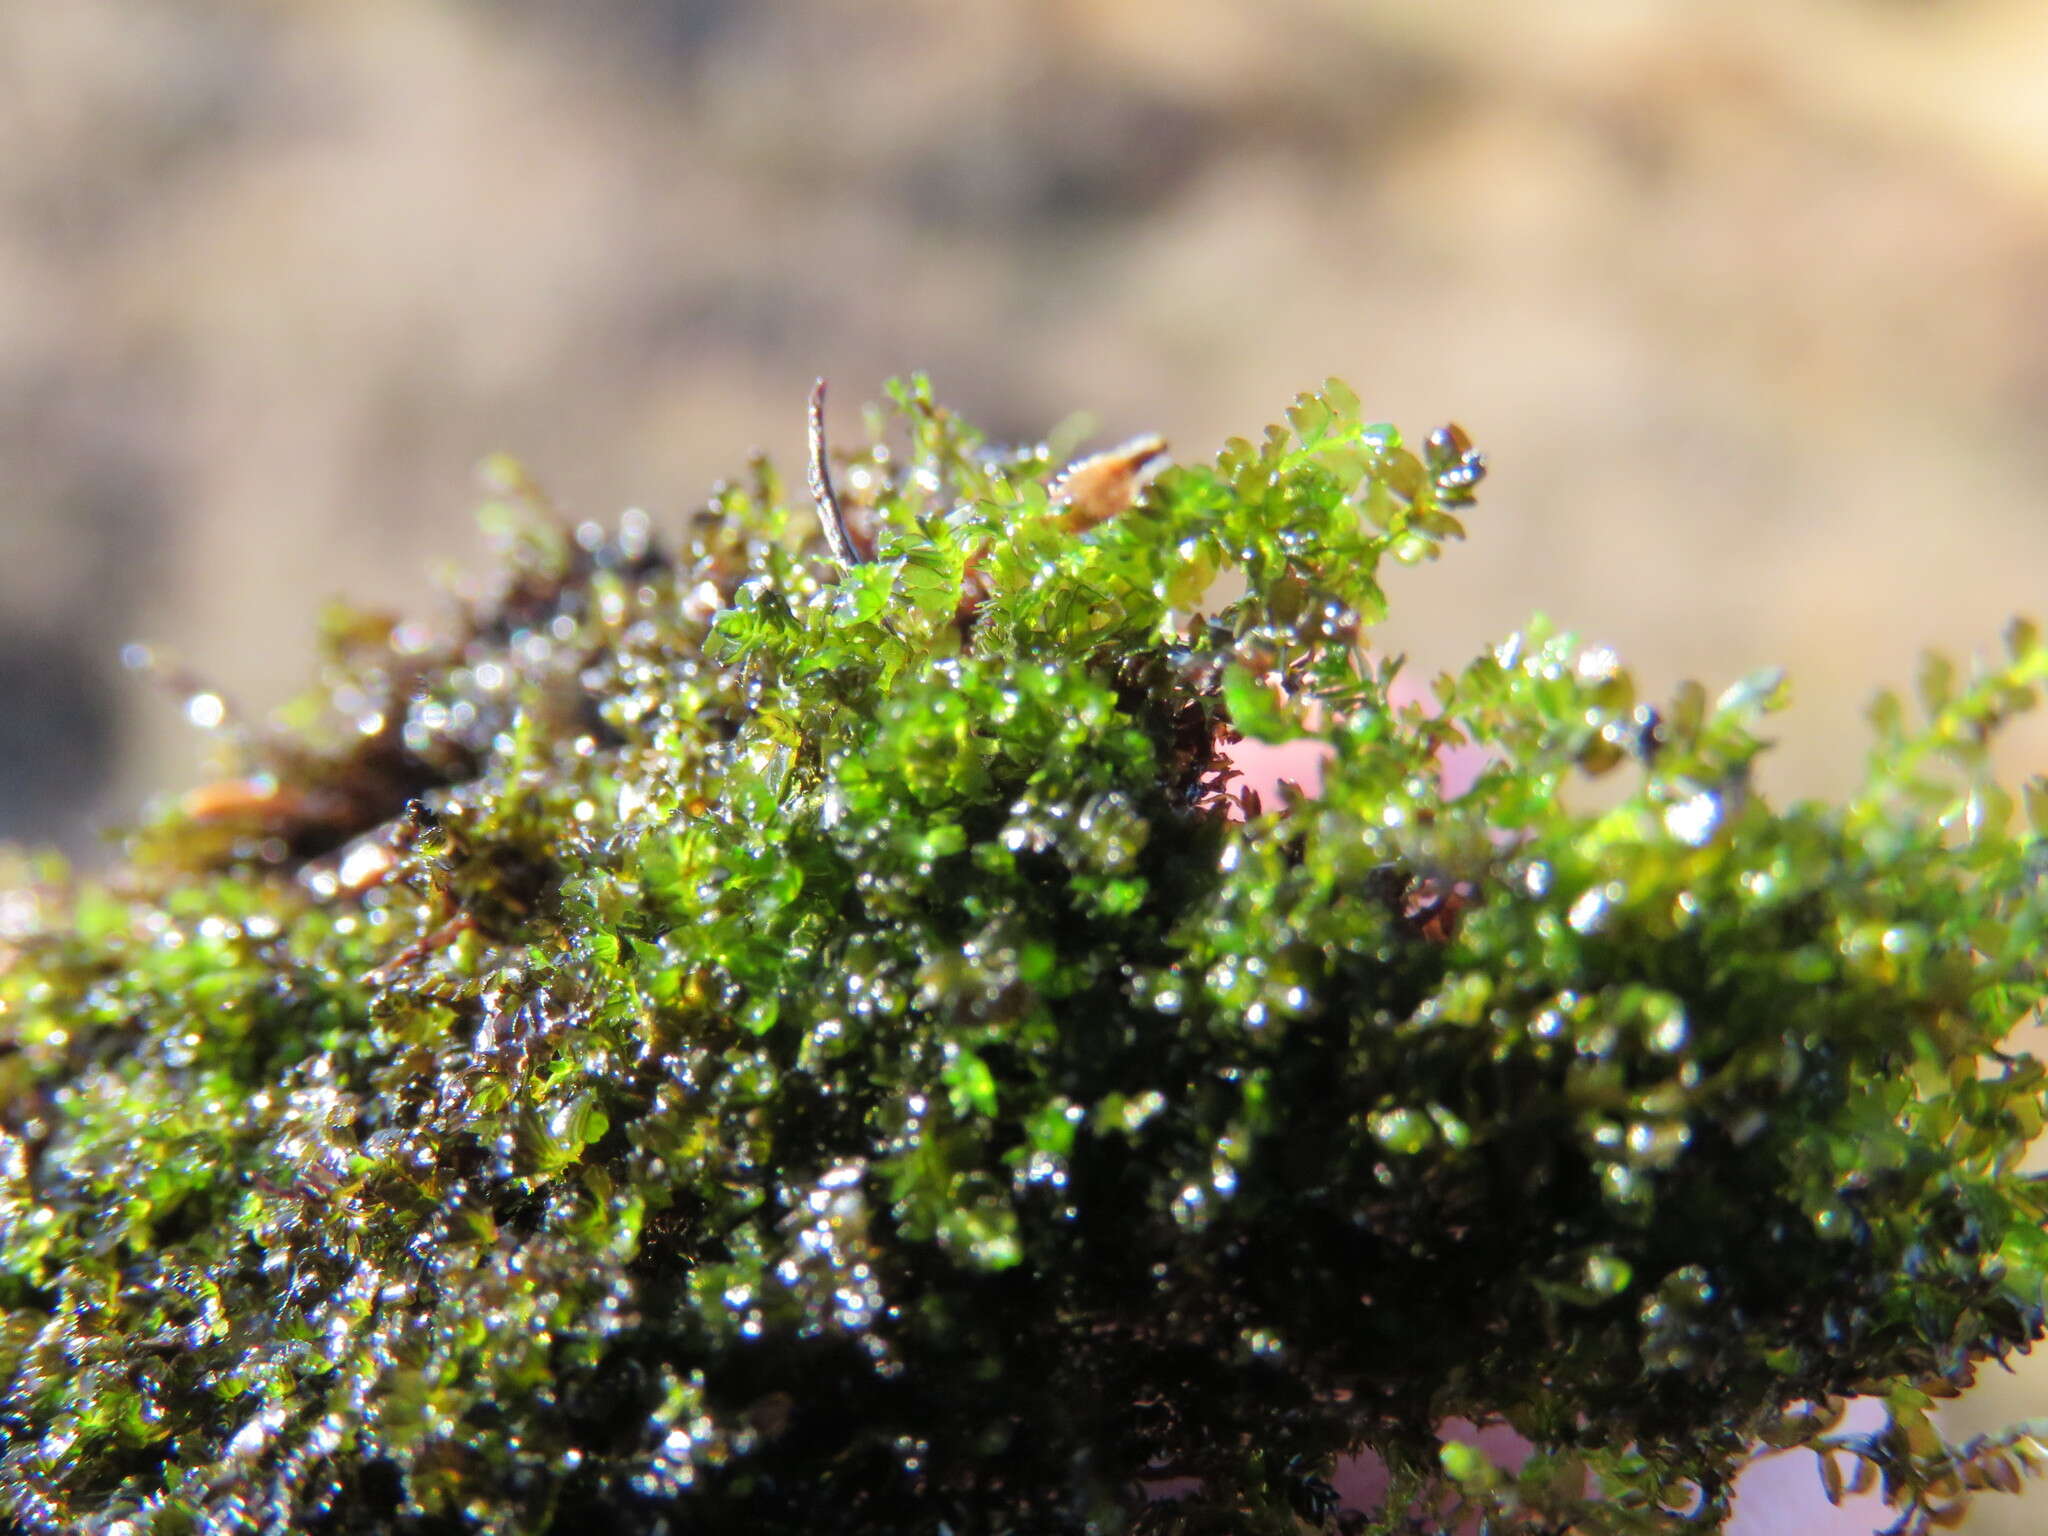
column 1401, row 1130
column 1605, row 1274
column 1044, row 1168
column 1264, row 1343
column 1598, row 662
column 1907, row 942
column 1658, row 1143
column 1623, row 1185
column 1456, row 1133
column 1589, row 913
column 1136, row 1110
column 1833, row 1222
column 1693, row 820
column 1669, row 1027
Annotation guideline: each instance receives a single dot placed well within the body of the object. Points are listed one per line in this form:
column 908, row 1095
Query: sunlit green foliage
column 719, row 1042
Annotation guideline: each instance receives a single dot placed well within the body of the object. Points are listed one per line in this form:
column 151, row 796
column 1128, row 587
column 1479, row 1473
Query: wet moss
column 717, row 1038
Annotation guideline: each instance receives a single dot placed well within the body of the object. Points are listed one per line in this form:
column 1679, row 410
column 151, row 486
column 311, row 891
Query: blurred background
column 1748, row 303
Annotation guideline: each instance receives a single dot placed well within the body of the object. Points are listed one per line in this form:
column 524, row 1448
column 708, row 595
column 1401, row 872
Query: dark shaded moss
column 717, row 1041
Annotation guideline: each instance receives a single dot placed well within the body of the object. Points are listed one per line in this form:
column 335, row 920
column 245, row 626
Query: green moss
column 723, row 1041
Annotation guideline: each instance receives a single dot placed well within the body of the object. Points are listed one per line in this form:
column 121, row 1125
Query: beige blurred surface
column 1747, row 302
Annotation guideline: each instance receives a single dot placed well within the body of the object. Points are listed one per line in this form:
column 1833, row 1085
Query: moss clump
column 722, row 1041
